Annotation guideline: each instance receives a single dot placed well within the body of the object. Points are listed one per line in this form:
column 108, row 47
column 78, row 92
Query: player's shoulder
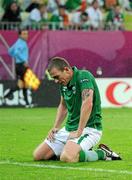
column 84, row 74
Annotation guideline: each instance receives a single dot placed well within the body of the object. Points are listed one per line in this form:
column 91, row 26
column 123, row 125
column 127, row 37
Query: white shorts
column 88, row 139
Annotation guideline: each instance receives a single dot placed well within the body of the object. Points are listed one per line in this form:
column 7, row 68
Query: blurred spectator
column 85, row 22
column 76, row 19
column 29, row 5
column 115, row 19
column 61, row 20
column 32, row 6
column 6, row 4
column 53, row 5
column 37, row 14
column 11, row 16
column 95, row 15
column 130, row 4
column 125, row 4
column 63, row 14
column 36, row 17
column 73, row 5
column 80, row 20
column 24, row 4
column 101, row 2
column 110, row 3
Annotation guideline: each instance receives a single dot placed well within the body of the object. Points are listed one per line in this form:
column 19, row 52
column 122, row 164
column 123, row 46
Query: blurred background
column 67, row 14
column 94, row 35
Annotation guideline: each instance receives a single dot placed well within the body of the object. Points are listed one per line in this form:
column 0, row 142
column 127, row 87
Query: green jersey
column 72, row 94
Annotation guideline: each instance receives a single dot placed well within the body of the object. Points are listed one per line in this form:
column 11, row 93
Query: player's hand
column 74, row 134
column 52, row 133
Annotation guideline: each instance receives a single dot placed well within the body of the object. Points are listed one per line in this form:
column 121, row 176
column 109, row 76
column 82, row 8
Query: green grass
column 21, row 130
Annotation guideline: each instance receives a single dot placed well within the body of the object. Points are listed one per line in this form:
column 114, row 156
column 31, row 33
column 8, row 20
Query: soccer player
column 20, row 52
column 80, row 101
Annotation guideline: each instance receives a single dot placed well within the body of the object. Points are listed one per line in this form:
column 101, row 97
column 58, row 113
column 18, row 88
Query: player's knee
column 65, row 157
column 38, row 156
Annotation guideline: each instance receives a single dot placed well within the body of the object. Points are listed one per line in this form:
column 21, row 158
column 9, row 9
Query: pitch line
column 65, row 167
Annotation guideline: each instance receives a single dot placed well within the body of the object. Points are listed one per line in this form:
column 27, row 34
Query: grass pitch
column 21, row 130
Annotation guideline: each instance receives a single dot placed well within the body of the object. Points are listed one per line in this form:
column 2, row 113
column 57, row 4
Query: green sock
column 101, row 154
column 88, row 156
column 81, row 156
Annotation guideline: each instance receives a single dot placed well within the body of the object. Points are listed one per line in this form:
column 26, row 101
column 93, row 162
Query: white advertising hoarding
column 115, row 92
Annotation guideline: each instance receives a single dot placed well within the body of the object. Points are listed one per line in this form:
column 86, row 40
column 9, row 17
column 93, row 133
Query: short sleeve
column 85, row 81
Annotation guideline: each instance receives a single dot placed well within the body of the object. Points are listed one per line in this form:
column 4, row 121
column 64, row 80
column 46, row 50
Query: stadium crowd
column 64, row 14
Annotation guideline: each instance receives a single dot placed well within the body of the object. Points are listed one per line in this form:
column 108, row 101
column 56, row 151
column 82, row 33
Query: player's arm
column 60, row 116
column 61, row 113
column 86, row 108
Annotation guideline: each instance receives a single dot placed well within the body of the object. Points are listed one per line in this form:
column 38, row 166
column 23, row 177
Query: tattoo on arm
column 85, row 94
